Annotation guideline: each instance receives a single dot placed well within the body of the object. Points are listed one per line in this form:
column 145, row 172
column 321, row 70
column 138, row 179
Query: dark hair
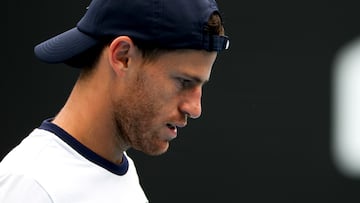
column 89, row 58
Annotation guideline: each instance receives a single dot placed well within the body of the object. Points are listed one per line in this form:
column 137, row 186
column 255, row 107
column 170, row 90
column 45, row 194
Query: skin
column 129, row 102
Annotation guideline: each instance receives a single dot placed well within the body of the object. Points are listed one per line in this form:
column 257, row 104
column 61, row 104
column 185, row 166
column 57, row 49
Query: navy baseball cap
column 173, row 24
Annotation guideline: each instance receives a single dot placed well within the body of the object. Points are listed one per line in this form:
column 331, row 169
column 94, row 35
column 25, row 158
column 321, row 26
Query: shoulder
column 27, row 153
column 39, row 154
column 21, row 188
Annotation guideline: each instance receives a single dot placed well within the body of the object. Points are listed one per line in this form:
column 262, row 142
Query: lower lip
column 173, row 133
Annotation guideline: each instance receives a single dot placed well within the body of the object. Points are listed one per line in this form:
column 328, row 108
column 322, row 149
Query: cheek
column 162, row 91
column 157, row 90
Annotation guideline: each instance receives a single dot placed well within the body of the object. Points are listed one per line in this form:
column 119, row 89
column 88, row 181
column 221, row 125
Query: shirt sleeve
column 19, row 189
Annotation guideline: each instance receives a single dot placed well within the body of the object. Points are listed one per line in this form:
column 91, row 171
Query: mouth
column 171, row 127
column 172, row 133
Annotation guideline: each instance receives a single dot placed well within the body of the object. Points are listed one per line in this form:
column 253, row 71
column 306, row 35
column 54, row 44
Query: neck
column 87, row 116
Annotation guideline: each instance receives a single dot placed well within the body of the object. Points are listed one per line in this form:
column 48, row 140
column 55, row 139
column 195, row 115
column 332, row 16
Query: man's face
column 159, row 98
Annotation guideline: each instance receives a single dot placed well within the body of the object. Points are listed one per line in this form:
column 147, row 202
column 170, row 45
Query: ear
column 121, row 51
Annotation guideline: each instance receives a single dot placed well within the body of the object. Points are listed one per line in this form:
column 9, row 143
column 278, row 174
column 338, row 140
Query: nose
column 191, row 104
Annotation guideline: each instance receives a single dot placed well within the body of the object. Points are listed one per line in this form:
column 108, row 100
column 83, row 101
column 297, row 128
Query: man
column 143, row 65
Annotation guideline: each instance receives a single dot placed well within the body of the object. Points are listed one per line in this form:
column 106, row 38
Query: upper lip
column 177, row 124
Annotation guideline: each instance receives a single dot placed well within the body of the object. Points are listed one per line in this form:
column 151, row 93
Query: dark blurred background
column 265, row 131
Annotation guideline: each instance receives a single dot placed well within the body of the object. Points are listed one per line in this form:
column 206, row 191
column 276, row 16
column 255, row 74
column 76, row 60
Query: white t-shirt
column 51, row 166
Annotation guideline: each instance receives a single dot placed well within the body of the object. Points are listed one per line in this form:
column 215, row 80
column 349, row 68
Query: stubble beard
column 134, row 117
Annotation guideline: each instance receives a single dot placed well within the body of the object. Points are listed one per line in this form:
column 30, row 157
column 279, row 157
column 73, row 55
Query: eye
column 185, row 83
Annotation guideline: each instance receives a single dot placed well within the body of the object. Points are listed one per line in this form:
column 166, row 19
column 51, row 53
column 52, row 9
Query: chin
column 157, row 149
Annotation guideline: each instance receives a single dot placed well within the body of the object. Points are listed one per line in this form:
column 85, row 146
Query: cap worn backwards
column 176, row 24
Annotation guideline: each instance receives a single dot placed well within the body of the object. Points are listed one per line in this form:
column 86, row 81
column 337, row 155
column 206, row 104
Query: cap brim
column 64, row 46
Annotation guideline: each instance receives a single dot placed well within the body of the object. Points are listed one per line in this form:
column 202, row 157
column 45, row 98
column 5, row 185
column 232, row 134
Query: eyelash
column 185, row 83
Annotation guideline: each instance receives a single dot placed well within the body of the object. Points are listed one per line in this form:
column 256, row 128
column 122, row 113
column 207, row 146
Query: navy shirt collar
column 85, row 151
